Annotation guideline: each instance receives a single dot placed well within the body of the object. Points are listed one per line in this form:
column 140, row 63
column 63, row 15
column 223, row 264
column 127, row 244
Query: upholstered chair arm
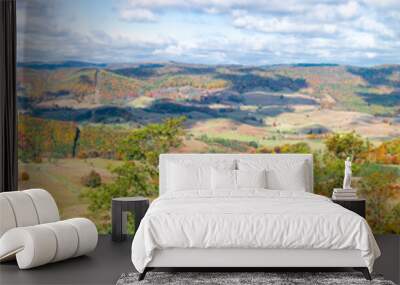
column 40, row 244
column 32, row 246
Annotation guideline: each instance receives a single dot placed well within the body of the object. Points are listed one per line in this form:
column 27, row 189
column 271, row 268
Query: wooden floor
column 103, row 266
column 110, row 259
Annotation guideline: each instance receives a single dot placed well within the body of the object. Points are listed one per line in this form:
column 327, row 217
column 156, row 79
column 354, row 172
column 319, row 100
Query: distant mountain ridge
column 57, row 65
column 314, row 64
column 82, row 64
column 155, row 90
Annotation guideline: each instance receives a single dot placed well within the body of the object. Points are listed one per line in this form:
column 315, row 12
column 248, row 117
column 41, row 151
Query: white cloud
column 176, row 49
column 279, row 25
column 395, row 14
column 334, row 12
column 137, row 15
column 323, row 53
column 212, row 10
column 341, row 8
column 239, row 31
column 369, row 24
column 224, row 5
column 360, row 40
column 370, row 54
column 326, row 28
column 383, row 3
column 348, row 10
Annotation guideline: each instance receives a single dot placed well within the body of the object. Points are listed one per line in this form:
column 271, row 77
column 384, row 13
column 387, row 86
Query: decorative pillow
column 223, row 179
column 205, row 161
column 251, row 178
column 187, row 174
column 295, row 180
column 282, row 174
column 187, row 178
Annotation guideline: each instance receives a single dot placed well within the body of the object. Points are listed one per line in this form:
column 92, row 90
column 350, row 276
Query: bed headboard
column 209, row 157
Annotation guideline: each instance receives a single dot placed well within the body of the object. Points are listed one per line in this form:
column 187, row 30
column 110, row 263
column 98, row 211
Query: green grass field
column 63, row 180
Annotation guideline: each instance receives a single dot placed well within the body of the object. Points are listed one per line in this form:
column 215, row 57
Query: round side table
column 119, row 213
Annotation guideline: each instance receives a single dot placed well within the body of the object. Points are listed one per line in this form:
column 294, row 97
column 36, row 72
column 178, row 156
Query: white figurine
column 347, row 174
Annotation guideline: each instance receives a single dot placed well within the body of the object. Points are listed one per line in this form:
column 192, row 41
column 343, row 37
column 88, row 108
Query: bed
column 247, row 210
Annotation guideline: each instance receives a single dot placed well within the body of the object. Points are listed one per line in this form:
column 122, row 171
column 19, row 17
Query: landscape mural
column 104, row 87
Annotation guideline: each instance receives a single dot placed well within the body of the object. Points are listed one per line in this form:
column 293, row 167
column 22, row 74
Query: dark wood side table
column 355, row 205
column 119, row 213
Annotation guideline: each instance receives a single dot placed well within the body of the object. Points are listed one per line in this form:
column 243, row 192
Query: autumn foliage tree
column 377, row 183
column 147, row 143
column 138, row 175
column 386, row 153
column 379, row 188
column 40, row 138
column 346, row 145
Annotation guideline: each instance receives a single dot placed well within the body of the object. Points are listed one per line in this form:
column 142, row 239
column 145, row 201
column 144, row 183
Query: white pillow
column 187, row 178
column 223, row 179
column 188, row 174
column 251, row 178
column 295, row 180
column 282, row 174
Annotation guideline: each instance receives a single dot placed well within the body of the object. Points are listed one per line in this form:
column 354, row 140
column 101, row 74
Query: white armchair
column 31, row 230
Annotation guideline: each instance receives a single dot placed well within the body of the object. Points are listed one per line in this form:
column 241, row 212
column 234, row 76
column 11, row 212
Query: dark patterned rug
column 273, row 278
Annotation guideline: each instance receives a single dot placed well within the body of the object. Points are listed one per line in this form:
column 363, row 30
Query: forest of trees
column 376, row 168
column 377, row 183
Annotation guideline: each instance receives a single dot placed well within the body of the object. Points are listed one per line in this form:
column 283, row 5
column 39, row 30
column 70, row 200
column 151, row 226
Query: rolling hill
column 281, row 101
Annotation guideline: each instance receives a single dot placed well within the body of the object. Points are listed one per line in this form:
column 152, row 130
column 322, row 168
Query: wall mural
column 105, row 86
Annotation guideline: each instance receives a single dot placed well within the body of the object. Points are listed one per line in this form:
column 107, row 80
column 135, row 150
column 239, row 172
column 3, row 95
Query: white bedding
column 250, row 219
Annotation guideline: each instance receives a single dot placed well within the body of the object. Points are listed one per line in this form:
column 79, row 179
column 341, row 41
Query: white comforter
column 250, row 219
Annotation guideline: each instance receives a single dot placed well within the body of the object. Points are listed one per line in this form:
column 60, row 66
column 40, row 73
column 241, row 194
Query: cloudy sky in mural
column 363, row 32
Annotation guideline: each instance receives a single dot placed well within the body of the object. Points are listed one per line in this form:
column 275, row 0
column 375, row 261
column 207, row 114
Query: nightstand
column 119, row 208
column 355, row 205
